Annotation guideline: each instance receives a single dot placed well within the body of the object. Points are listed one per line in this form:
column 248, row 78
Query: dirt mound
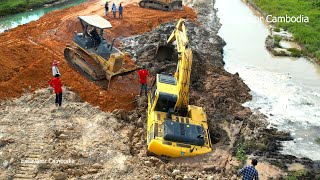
column 76, row 135
column 26, row 53
column 43, row 142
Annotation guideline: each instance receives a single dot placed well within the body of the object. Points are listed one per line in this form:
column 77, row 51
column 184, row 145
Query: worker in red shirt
column 56, row 84
column 143, row 74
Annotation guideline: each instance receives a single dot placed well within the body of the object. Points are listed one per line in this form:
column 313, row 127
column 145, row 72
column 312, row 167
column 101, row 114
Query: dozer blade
column 90, row 69
column 110, row 75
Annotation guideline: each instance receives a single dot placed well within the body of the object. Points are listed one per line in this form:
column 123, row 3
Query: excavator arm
column 183, row 71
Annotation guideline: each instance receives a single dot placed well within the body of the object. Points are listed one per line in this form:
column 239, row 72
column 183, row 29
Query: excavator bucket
column 164, row 51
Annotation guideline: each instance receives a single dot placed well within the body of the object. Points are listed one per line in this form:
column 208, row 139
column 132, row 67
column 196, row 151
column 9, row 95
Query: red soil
column 26, row 53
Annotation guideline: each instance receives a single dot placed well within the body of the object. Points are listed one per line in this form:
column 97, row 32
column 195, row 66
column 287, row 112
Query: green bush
column 297, row 175
column 295, row 52
column 316, row 3
column 254, row 145
column 277, row 29
column 276, row 40
column 241, row 154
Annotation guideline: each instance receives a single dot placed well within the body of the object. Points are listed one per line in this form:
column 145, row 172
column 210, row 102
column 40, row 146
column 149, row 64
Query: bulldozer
column 175, row 128
column 92, row 54
column 166, row 5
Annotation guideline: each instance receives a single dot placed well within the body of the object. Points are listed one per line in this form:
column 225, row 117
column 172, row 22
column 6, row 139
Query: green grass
column 296, row 175
column 15, row 6
column 241, row 154
column 318, row 140
column 277, row 29
column 295, row 52
column 253, row 145
column 276, row 40
column 307, row 34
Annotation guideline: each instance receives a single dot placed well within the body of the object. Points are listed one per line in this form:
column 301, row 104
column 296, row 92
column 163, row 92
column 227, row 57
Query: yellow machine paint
column 176, row 128
column 94, row 55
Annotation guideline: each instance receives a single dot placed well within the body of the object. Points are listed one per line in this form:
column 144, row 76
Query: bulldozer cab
column 91, row 38
column 92, row 31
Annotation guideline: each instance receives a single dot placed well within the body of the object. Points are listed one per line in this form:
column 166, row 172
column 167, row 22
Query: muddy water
column 13, row 21
column 287, row 90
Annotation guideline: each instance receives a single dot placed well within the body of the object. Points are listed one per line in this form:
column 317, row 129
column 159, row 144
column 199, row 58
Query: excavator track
column 153, row 4
column 84, row 63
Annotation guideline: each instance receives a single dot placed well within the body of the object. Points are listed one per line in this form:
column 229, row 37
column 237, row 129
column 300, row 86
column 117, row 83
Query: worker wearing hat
column 55, row 69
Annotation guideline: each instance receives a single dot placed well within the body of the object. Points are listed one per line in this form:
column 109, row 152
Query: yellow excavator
column 92, row 54
column 175, row 128
column 166, row 5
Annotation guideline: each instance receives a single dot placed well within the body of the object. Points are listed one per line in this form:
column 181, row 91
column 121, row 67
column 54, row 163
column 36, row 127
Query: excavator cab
column 91, row 38
column 93, row 54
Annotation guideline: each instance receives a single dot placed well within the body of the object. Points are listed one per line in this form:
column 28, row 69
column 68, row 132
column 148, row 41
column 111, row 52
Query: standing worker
column 250, row 172
column 56, row 84
column 55, row 69
column 114, row 10
column 143, row 74
column 106, row 6
column 120, row 11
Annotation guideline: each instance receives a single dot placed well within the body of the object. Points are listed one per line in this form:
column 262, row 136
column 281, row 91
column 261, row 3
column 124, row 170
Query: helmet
column 55, row 62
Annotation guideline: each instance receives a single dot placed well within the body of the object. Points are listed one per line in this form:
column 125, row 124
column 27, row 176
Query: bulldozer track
column 74, row 53
column 154, row 4
column 31, row 135
column 101, row 82
column 34, row 135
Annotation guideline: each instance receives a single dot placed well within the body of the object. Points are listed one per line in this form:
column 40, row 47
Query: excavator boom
column 183, row 71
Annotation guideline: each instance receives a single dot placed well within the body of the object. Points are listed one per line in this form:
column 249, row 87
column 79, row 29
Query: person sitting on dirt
column 95, row 36
column 250, row 172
